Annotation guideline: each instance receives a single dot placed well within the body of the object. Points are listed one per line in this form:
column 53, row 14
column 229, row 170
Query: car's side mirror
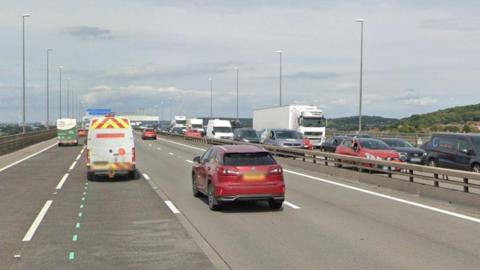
column 196, row 159
column 213, row 132
column 470, row 152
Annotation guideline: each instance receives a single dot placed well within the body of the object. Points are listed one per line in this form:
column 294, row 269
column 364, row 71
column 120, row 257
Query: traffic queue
column 248, row 172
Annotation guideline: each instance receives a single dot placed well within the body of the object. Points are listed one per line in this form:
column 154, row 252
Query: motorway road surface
column 128, row 225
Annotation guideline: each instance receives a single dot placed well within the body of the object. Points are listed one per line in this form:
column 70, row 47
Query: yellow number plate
column 254, row 177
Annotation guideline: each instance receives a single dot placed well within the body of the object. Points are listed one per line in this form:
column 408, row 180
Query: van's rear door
column 110, row 140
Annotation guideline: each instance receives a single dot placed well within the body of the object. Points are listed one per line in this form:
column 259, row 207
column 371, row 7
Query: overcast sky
column 130, row 55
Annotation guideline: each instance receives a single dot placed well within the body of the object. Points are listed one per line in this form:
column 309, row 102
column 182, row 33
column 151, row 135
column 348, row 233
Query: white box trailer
column 306, row 119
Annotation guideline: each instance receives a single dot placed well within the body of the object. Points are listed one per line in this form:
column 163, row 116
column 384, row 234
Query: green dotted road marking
column 84, row 193
column 74, row 238
column 83, row 198
column 71, row 255
column 80, row 214
column 81, row 205
column 77, row 225
column 86, row 187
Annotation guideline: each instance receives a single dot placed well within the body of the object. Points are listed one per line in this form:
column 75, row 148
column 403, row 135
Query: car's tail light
column 276, row 170
column 133, row 154
column 228, row 171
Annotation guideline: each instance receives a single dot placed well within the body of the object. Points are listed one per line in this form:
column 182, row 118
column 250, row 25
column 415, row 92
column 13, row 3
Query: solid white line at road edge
column 170, row 153
column 62, row 181
column 146, row 176
column 27, row 157
column 189, row 146
column 28, row 236
column 172, row 207
column 189, row 161
column 434, row 209
column 291, row 205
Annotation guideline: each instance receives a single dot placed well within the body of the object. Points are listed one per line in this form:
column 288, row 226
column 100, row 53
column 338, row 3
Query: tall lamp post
column 280, row 77
column 237, row 70
column 23, row 53
column 211, row 97
column 60, row 89
column 361, row 21
column 48, row 87
column 68, row 97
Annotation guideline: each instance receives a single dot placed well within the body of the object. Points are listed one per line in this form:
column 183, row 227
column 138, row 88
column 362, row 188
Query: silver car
column 282, row 137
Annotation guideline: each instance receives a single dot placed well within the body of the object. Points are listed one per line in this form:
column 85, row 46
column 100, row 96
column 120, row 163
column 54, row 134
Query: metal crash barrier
column 465, row 181
column 15, row 142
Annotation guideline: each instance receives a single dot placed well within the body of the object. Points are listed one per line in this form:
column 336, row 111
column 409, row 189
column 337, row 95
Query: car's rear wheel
column 213, row 204
column 275, row 204
column 196, row 193
column 476, row 168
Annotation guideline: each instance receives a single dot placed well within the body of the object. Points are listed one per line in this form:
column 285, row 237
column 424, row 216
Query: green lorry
column 67, row 132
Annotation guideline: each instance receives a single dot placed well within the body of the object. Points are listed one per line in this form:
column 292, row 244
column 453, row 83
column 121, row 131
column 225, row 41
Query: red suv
column 368, row 148
column 238, row 173
column 149, row 134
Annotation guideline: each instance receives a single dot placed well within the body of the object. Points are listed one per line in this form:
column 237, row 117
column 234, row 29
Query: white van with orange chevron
column 110, row 147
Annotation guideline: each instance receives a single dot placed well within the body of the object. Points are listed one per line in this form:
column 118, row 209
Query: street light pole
column 236, row 68
column 23, row 53
column 48, row 87
column 68, row 97
column 361, row 21
column 280, row 77
column 60, row 89
column 211, row 97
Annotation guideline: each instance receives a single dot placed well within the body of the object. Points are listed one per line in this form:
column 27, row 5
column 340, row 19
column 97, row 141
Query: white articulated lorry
column 179, row 122
column 306, row 119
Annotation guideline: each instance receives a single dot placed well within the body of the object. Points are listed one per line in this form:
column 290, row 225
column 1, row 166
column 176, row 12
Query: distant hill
column 368, row 123
column 455, row 119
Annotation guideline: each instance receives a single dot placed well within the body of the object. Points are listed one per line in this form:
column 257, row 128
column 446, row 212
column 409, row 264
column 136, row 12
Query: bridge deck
column 126, row 225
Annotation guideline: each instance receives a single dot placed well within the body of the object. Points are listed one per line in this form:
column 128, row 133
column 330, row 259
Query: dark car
column 178, row 130
column 365, row 136
column 331, row 145
column 408, row 152
column 248, row 135
column 454, row 150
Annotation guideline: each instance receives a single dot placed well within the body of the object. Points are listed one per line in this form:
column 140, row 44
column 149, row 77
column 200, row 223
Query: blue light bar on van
column 99, row 111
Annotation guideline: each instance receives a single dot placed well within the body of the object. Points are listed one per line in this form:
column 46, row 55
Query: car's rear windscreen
column 248, row 159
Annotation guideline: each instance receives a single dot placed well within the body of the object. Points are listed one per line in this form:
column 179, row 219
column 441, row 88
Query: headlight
column 245, row 140
column 370, row 156
column 403, row 156
column 424, row 154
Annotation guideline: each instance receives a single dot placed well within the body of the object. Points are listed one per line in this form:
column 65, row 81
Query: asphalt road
column 100, row 224
column 324, row 226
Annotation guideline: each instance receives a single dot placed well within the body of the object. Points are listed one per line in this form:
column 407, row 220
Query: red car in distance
column 82, row 132
column 193, row 133
column 149, row 133
column 238, row 173
column 368, row 148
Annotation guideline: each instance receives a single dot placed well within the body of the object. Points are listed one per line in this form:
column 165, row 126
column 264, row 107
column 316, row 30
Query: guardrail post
column 411, row 173
column 314, row 158
column 304, row 158
column 326, row 161
column 435, row 183
column 465, row 188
